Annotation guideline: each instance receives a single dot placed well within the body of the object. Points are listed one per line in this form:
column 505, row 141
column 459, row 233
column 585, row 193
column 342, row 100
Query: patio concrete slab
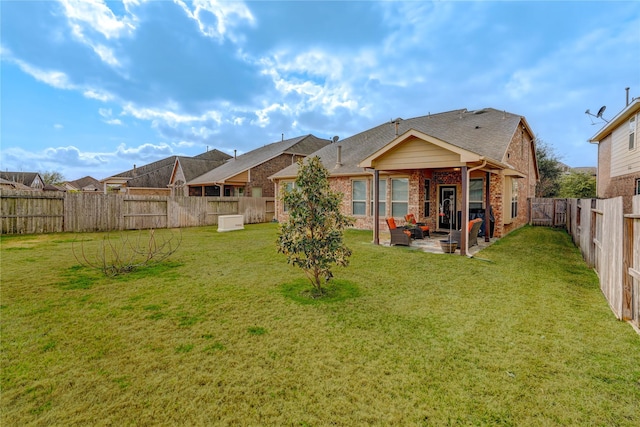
column 432, row 244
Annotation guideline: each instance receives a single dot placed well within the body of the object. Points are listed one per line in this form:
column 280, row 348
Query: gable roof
column 617, row 121
column 301, row 145
column 25, row 178
column 158, row 174
column 84, row 183
column 486, row 133
column 193, row 167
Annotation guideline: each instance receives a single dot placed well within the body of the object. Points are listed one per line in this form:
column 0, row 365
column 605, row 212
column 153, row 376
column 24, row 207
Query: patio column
column 376, row 209
column 487, row 210
column 464, row 226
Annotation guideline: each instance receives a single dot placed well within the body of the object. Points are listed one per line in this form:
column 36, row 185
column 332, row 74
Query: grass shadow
column 336, row 290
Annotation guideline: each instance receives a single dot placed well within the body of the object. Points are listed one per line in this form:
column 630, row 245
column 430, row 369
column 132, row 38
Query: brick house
column 248, row 174
column 619, row 156
column 32, row 180
column 155, row 178
column 445, row 168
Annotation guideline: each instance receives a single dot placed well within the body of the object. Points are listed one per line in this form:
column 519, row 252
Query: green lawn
column 217, row 335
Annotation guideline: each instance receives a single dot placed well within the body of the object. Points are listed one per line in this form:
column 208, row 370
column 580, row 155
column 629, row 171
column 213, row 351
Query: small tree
column 550, row 170
column 312, row 236
column 52, row 177
column 578, row 185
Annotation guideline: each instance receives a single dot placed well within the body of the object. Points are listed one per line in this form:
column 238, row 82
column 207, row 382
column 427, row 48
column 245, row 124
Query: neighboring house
column 187, row 168
column 12, row 185
column 87, row 184
column 619, row 156
column 32, row 180
column 445, row 168
column 248, row 174
column 153, row 178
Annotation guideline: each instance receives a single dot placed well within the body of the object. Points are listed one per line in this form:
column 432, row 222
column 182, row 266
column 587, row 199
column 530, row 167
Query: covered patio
column 440, row 175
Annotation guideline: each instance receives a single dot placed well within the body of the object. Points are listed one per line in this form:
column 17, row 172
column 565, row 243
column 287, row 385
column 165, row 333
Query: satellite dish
column 335, row 139
column 601, row 111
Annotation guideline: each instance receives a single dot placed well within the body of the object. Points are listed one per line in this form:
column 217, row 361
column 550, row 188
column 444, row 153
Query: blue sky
column 92, row 88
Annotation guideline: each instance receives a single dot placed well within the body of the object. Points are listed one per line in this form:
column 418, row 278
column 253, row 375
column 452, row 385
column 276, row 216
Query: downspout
column 464, row 245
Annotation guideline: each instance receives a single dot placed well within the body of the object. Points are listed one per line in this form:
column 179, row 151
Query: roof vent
column 480, row 111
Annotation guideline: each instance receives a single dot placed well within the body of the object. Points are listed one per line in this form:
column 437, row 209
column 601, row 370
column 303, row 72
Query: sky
column 94, row 87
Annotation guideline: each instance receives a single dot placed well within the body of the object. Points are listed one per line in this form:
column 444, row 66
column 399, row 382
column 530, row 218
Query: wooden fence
column 548, row 212
column 26, row 212
column 610, row 243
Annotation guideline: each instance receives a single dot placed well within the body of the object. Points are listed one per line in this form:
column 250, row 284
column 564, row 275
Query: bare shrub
column 128, row 251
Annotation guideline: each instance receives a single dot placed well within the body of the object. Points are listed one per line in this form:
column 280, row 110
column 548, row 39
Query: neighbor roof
column 85, row 182
column 25, row 178
column 158, row 174
column 301, row 145
column 486, row 132
column 193, row 167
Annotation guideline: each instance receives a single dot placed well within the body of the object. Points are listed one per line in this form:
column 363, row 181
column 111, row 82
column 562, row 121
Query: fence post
column 627, row 262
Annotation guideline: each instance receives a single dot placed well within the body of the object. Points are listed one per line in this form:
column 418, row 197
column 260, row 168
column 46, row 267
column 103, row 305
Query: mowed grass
column 220, row 335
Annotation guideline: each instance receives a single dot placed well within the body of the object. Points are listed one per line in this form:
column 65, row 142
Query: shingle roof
column 158, row 174
column 85, row 182
column 486, row 132
column 302, row 145
column 193, row 167
column 25, row 178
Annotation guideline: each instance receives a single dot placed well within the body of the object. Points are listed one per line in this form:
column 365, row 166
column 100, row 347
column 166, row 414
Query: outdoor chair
column 474, row 227
column 422, row 229
column 399, row 236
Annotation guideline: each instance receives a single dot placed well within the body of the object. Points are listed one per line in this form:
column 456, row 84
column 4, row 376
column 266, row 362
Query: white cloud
column 95, row 15
column 216, row 18
column 90, row 19
column 169, row 117
column 58, row 126
column 147, row 152
column 107, row 116
column 98, row 94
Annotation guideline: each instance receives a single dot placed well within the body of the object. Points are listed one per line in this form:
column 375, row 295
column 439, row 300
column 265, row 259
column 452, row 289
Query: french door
column 447, row 207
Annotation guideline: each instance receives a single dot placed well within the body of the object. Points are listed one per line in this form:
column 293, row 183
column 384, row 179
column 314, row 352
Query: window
column 399, row 197
column 427, row 197
column 632, row 133
column 359, row 197
column 195, row 191
column 382, row 198
column 475, row 193
column 212, row 191
column 288, row 186
column 256, row 191
column 514, row 198
column 637, row 186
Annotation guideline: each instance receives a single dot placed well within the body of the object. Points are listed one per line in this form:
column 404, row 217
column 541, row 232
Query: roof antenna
column 598, row 116
column 283, row 136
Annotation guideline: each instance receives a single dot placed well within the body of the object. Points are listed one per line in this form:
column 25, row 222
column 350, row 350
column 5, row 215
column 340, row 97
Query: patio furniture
column 474, row 227
column 422, row 228
column 399, row 236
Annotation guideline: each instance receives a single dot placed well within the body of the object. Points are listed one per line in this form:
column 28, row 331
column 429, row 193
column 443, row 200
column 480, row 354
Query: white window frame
column 382, row 198
column 632, row 134
column 397, row 202
column 472, row 201
column 361, row 202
